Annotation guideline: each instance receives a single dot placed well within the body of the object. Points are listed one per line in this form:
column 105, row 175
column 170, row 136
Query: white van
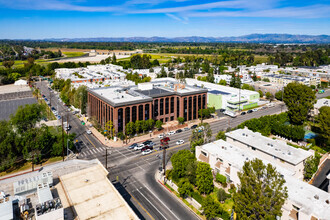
column 230, row 113
column 269, row 105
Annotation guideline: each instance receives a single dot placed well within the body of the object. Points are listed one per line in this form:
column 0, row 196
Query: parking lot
column 9, row 107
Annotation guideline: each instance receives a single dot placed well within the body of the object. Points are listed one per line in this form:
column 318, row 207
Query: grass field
column 20, row 63
column 262, row 59
column 160, row 57
column 73, row 54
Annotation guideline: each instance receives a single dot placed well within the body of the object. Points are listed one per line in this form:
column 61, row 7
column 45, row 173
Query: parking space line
column 151, row 204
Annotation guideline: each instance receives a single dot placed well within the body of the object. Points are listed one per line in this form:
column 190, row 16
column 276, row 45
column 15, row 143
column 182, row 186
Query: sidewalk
column 169, row 126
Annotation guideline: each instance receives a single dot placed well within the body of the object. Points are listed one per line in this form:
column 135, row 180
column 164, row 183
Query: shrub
column 220, row 178
column 222, row 195
column 197, row 197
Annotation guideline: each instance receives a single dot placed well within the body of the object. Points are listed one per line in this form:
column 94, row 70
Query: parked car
column 249, row 111
column 255, row 110
column 178, row 131
column 179, row 142
column 88, row 132
column 193, row 127
column 171, row 133
column 222, row 110
column 58, row 117
column 148, row 151
column 133, row 146
column 139, row 147
column 161, row 136
column 243, row 113
column 166, row 139
column 149, row 142
column 186, row 129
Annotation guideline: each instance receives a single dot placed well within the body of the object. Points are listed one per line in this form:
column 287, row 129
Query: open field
column 20, row 63
column 262, row 59
column 73, row 54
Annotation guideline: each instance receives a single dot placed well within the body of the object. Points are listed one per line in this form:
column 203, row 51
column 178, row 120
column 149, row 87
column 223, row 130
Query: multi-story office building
column 162, row 99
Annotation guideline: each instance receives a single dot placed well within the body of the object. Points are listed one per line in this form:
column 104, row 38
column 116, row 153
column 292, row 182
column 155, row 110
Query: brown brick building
column 164, row 100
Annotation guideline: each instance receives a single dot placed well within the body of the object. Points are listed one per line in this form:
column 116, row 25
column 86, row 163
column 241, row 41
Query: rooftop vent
column 316, row 197
column 327, row 201
column 289, row 153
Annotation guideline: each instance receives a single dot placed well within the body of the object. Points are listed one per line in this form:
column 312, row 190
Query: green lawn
column 73, row 54
column 262, row 59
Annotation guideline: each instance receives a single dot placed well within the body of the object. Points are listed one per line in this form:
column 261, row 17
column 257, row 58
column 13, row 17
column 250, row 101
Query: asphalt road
column 134, row 172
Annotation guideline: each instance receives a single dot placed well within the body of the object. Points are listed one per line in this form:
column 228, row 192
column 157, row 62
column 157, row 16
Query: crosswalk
column 93, row 151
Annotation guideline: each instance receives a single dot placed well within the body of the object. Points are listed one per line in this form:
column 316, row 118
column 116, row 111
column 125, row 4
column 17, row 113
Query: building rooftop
column 144, row 92
column 310, row 199
column 217, row 92
column 220, row 88
column 14, row 88
column 269, row 146
column 6, row 206
column 94, row 196
column 322, row 102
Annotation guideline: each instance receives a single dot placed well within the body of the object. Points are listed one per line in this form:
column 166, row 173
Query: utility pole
column 62, row 140
column 32, row 162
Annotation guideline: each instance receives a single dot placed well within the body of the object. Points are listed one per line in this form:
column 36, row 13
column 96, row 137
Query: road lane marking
column 151, row 204
column 89, row 140
column 163, row 203
column 140, row 205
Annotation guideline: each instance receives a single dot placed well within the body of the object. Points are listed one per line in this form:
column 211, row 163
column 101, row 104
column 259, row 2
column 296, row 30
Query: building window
column 120, row 120
column 133, row 113
column 127, row 115
column 190, row 109
column 161, row 108
column 194, row 108
column 156, row 108
column 166, row 105
column 140, row 112
column 219, row 159
column 177, row 107
column 146, row 110
column 204, row 153
column 199, row 102
column 185, row 113
column 172, row 104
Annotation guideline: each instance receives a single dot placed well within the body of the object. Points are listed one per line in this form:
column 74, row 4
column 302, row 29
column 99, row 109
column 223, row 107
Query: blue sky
column 39, row 19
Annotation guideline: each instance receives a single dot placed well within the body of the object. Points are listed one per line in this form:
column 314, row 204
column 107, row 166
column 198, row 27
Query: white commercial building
column 275, row 151
column 304, row 201
column 224, row 97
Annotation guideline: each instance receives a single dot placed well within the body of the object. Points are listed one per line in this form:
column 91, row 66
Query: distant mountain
column 251, row 38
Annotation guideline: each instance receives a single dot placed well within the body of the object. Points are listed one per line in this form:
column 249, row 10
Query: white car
column 160, row 136
column 179, row 142
column 146, row 152
column 139, row 147
column 88, row 132
column 255, row 110
column 171, row 133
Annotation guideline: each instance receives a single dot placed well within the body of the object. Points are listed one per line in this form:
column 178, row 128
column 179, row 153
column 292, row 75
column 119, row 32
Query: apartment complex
column 275, row 151
column 224, row 97
column 304, row 201
column 284, row 80
column 162, row 99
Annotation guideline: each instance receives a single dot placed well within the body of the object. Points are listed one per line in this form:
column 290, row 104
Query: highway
column 133, row 174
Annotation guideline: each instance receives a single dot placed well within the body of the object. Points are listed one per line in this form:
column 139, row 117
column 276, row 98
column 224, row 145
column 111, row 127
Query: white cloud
column 183, row 20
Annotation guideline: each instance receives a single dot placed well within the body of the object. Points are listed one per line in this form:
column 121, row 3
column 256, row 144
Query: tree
column 159, row 124
column 211, row 208
column 15, row 76
column 324, row 125
column 26, row 117
column 247, row 87
column 269, row 96
column 129, row 128
column 278, row 95
column 150, row 123
column 8, row 63
column 221, row 135
column 180, row 160
column 204, row 178
column 180, row 120
column 261, row 193
column 185, row 188
column 223, row 82
column 114, row 58
column 138, row 126
column 222, row 195
column 145, row 126
column 109, row 127
column 311, row 166
column 299, row 99
column 261, row 94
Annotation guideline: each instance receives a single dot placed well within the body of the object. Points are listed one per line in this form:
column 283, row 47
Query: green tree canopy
column 299, row 99
column 221, row 135
column 159, row 124
column 261, row 94
column 211, row 208
column 261, row 193
column 180, row 161
column 180, row 120
column 324, row 125
column 204, row 178
column 222, row 82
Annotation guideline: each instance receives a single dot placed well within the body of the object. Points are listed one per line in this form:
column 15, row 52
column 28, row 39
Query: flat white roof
column 93, row 195
column 311, row 200
column 14, row 88
column 213, row 86
column 267, row 145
